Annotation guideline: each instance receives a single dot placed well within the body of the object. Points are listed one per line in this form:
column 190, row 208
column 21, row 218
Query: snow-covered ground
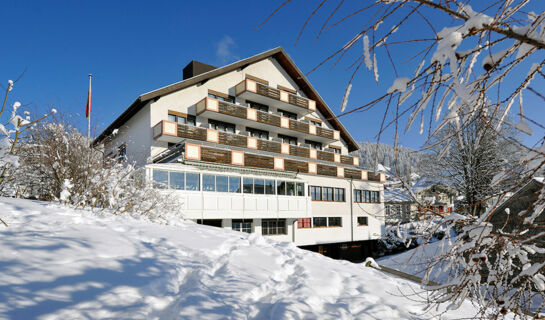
column 415, row 261
column 62, row 263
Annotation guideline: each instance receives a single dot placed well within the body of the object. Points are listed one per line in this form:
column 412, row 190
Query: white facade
column 350, row 221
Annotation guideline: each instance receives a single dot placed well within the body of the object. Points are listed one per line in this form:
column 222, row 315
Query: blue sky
column 138, row 46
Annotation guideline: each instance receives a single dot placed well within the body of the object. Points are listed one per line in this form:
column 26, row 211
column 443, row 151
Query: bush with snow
column 12, row 129
column 58, row 163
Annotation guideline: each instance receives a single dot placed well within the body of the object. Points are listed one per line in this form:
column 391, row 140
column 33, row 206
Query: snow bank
column 61, row 263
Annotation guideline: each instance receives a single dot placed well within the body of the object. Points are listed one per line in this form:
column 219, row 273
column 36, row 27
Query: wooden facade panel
column 352, row 173
column 298, row 126
column 192, row 132
column 257, row 161
column 232, row 110
column 299, row 152
column 347, row 160
column 323, row 132
column 215, row 155
column 327, row 170
column 268, row 91
column 298, row 101
column 296, row 166
column 268, row 146
column 268, row 118
column 232, row 139
column 326, row 156
column 373, row 177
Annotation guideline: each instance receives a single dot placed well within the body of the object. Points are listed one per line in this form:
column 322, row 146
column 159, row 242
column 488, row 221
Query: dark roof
column 278, row 53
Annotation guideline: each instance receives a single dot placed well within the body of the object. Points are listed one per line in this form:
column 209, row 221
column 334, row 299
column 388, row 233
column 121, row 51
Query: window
column 300, row 189
column 273, row 226
column 316, row 193
column 248, row 186
column 366, row 196
column 357, row 196
column 242, row 225
column 160, row 179
column 222, row 183
column 234, row 184
column 208, row 182
column 339, row 195
column 221, row 126
column 320, row 222
column 261, row 134
column 314, row 144
column 303, row 223
column 269, row 187
column 230, row 99
column 187, row 119
column 335, row 221
column 258, row 106
column 362, row 221
column 288, row 139
column 192, row 181
column 290, row 188
column 335, row 150
column 328, row 194
column 316, row 123
column 281, row 188
column 259, row 186
column 177, row 180
column 287, row 114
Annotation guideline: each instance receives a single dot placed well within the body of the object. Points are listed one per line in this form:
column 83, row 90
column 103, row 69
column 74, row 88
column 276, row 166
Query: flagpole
column 89, row 116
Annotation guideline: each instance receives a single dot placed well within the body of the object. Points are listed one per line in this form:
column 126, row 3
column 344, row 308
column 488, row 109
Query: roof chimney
column 194, row 68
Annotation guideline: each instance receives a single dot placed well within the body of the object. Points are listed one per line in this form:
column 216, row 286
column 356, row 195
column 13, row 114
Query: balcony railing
column 241, row 112
column 198, row 152
column 167, row 130
column 254, row 87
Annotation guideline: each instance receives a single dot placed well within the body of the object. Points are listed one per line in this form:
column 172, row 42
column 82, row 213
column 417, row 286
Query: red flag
column 88, row 107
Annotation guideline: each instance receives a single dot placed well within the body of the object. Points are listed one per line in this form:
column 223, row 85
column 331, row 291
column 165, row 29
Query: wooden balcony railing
column 249, row 85
column 241, row 112
column 237, row 140
column 249, row 159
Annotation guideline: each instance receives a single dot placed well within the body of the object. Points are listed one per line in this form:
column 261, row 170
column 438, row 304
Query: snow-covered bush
column 12, row 130
column 58, row 163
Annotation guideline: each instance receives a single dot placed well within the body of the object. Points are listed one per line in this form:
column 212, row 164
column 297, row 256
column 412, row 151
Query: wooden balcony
column 198, row 152
column 228, row 112
column 164, row 131
column 253, row 90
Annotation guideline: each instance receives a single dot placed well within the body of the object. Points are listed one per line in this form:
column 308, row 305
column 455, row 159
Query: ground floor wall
column 354, row 251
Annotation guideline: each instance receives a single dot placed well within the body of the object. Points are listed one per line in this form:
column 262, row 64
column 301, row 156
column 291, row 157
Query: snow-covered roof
column 397, row 195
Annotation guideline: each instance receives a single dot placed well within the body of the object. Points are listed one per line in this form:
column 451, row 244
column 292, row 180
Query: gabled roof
column 283, row 59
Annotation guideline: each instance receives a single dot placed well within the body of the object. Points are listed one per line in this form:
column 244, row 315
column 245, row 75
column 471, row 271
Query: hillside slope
column 58, row 263
column 407, row 160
